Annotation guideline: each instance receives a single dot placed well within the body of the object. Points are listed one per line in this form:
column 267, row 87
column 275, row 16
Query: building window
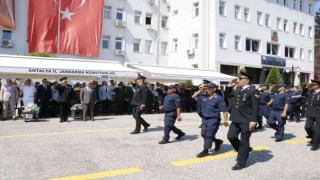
column 119, row 14
column 294, row 4
column 195, row 66
column 237, row 12
column 196, row 9
column 285, row 25
column 295, row 28
column 301, row 54
column 6, row 34
column 136, row 45
column 119, row 43
column 289, row 52
column 106, row 42
column 310, row 8
column 164, row 22
column 148, row 19
column 175, row 45
column 164, row 47
column 279, row 23
column 222, row 40
column 222, row 8
column 267, row 20
column 301, row 5
column 259, row 18
column 252, row 45
column 273, row 49
column 148, row 46
column 310, row 31
column 246, row 13
column 107, row 12
column 310, row 56
column 195, row 41
column 237, row 43
column 137, row 17
column 301, row 29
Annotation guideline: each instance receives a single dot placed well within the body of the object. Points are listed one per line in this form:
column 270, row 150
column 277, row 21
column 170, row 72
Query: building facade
column 220, row 35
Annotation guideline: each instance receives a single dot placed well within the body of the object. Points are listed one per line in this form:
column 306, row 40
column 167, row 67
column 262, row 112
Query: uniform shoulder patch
column 257, row 95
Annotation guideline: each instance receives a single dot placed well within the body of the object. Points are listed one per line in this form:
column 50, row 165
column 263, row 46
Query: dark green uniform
column 312, row 125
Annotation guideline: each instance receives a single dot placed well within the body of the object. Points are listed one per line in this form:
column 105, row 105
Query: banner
column 7, row 14
column 77, row 26
column 273, row 61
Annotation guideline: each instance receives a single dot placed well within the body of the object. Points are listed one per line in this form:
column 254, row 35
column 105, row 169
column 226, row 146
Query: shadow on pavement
column 40, row 120
column 158, row 128
column 96, row 119
column 188, row 138
column 224, row 149
column 288, row 136
column 259, row 157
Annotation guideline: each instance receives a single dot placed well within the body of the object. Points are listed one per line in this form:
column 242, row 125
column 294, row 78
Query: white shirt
column 245, row 87
column 28, row 91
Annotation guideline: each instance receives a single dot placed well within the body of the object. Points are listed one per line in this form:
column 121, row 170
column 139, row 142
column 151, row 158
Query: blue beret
column 282, row 85
column 172, row 86
column 212, row 85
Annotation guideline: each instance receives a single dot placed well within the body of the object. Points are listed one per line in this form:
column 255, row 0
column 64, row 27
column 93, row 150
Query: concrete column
column 296, row 78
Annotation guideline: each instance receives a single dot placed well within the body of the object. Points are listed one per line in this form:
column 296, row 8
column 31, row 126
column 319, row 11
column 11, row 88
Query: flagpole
column 59, row 19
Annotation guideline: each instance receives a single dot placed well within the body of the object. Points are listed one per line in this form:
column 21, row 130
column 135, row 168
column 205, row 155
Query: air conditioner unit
column 190, row 51
column 151, row 2
column 119, row 52
column 6, row 43
column 150, row 28
column 120, row 23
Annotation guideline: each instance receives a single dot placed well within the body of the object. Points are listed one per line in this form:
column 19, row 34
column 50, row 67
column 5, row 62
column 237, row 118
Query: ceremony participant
column 88, row 99
column 104, row 97
column 65, row 92
column 44, row 96
column 9, row 96
column 295, row 104
column 28, row 92
column 54, row 104
column 280, row 105
column 211, row 107
column 172, row 112
column 244, row 115
column 202, row 92
column 312, row 125
column 139, row 102
column 265, row 102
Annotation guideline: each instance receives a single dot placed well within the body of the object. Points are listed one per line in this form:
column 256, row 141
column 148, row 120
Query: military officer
column 203, row 93
column 139, row 102
column 312, row 125
column 265, row 102
column 211, row 106
column 295, row 104
column 280, row 105
column 244, row 116
column 64, row 97
column 172, row 112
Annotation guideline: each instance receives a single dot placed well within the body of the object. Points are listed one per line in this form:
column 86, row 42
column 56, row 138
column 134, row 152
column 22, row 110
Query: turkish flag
column 78, row 31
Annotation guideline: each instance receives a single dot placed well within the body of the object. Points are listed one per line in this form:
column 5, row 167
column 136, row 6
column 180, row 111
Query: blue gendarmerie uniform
column 279, row 102
column 265, row 97
column 170, row 105
column 295, row 105
column 211, row 108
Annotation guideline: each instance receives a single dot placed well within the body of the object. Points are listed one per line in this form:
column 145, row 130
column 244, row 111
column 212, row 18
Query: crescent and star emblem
column 66, row 14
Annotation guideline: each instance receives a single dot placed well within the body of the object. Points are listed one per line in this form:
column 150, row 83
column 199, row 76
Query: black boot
column 218, row 143
column 204, row 153
column 180, row 135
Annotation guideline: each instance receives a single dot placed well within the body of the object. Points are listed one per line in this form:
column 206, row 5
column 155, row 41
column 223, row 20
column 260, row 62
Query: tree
column 317, row 25
column 40, row 54
column 274, row 76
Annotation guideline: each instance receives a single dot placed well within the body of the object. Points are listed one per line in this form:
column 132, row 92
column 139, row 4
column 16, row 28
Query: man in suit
column 139, row 102
column 88, row 98
column 64, row 97
column 128, row 95
column 9, row 96
column 44, row 96
column 244, row 116
column 105, row 97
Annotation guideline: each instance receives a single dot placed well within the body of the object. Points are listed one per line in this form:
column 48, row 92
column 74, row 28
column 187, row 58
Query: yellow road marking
column 215, row 157
column 101, row 174
column 298, row 141
column 78, row 132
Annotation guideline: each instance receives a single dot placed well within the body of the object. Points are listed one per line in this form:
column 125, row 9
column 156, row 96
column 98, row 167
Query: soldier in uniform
column 63, row 99
column 211, row 106
column 280, row 105
column 197, row 95
column 265, row 102
column 139, row 102
column 172, row 110
column 244, row 115
column 296, row 103
column 312, row 125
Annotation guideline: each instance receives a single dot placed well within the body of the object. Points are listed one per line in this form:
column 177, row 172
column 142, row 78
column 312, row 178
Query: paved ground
column 104, row 148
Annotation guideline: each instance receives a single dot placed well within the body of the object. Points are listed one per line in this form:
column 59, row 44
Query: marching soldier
column 244, row 115
column 312, row 125
column 265, row 102
column 139, row 102
column 172, row 110
column 280, row 105
column 296, row 103
column 211, row 106
column 64, row 96
column 197, row 95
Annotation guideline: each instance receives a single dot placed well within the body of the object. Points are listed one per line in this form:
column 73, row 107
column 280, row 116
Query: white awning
column 174, row 73
column 40, row 67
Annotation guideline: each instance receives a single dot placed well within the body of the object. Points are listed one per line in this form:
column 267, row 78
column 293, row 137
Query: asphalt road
column 105, row 149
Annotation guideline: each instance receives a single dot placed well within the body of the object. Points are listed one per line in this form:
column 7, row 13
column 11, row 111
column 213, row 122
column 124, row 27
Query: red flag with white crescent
column 78, row 31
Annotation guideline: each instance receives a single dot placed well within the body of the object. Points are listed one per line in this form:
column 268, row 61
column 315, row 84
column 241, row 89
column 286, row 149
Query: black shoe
column 200, row 126
column 146, row 127
column 135, row 132
column 180, row 135
column 204, row 153
column 163, row 142
column 237, row 167
column 314, row 148
column 298, row 120
column 278, row 140
column 61, row 121
column 250, row 149
column 218, row 145
column 309, row 137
